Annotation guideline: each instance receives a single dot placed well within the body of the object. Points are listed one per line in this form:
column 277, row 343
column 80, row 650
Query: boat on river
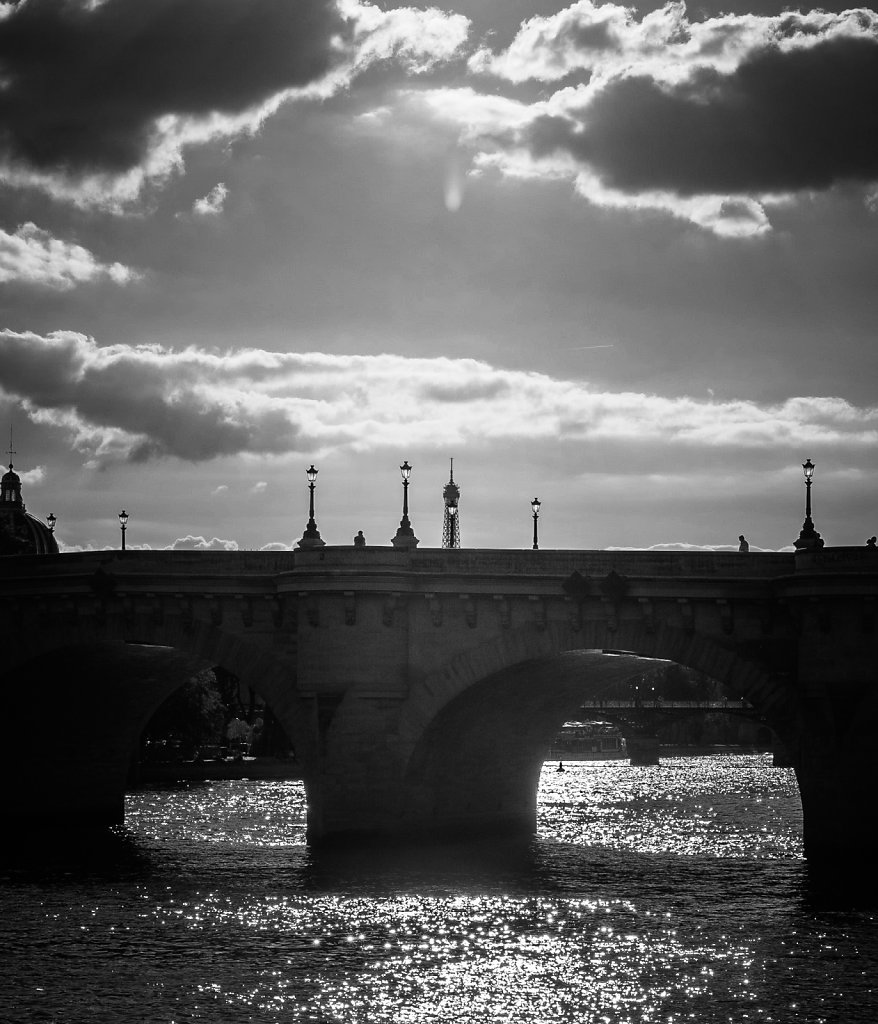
column 588, row 741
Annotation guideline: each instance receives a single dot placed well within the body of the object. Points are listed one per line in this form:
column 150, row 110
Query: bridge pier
column 838, row 820
column 780, row 755
column 69, row 758
column 643, row 748
column 468, row 766
column 464, row 779
column 833, row 744
column 492, row 803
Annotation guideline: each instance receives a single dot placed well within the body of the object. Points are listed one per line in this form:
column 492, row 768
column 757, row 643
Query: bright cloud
column 686, row 546
column 146, row 402
column 33, row 477
column 192, row 543
column 187, row 543
column 32, row 256
column 585, row 37
column 604, row 39
column 213, row 203
column 416, row 39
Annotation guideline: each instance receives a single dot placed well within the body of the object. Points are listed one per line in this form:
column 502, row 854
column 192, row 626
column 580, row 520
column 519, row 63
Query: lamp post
column 809, row 539
column 405, row 535
column 123, row 524
column 51, row 519
column 311, row 536
column 535, row 505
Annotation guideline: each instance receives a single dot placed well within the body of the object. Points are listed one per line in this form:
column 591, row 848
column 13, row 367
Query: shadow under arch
column 80, row 706
column 257, row 664
column 477, row 764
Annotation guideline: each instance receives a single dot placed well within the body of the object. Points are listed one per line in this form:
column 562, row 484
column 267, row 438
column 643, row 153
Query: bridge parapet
column 557, row 563
column 460, row 561
column 727, row 594
column 648, row 585
column 859, row 559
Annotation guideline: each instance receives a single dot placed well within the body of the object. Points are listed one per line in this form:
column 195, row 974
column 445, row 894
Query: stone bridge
column 422, row 688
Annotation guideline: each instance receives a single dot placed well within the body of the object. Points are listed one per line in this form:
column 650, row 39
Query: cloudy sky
column 621, row 258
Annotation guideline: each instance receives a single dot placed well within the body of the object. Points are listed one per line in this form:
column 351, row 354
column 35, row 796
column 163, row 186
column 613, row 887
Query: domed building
column 20, row 532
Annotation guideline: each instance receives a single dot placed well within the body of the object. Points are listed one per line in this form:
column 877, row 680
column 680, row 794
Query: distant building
column 20, row 532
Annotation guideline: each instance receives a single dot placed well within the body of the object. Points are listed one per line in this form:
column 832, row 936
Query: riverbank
column 157, row 772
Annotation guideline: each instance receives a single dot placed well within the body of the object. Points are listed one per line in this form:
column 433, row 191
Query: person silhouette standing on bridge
column 743, row 546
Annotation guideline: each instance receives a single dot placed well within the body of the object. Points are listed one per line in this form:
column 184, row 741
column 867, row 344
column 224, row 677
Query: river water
column 668, row 894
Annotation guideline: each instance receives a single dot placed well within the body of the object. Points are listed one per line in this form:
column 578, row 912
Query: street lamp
column 535, row 505
column 51, row 519
column 405, row 535
column 123, row 524
column 809, row 539
column 311, row 536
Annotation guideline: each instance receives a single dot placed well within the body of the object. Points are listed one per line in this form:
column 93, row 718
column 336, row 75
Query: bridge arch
column 474, row 732
column 739, row 675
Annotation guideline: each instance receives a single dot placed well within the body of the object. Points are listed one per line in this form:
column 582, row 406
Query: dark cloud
column 162, row 411
column 782, row 121
column 83, row 87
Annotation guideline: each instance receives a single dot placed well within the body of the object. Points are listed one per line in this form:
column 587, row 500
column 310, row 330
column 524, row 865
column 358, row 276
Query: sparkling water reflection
column 721, row 806
column 649, row 895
